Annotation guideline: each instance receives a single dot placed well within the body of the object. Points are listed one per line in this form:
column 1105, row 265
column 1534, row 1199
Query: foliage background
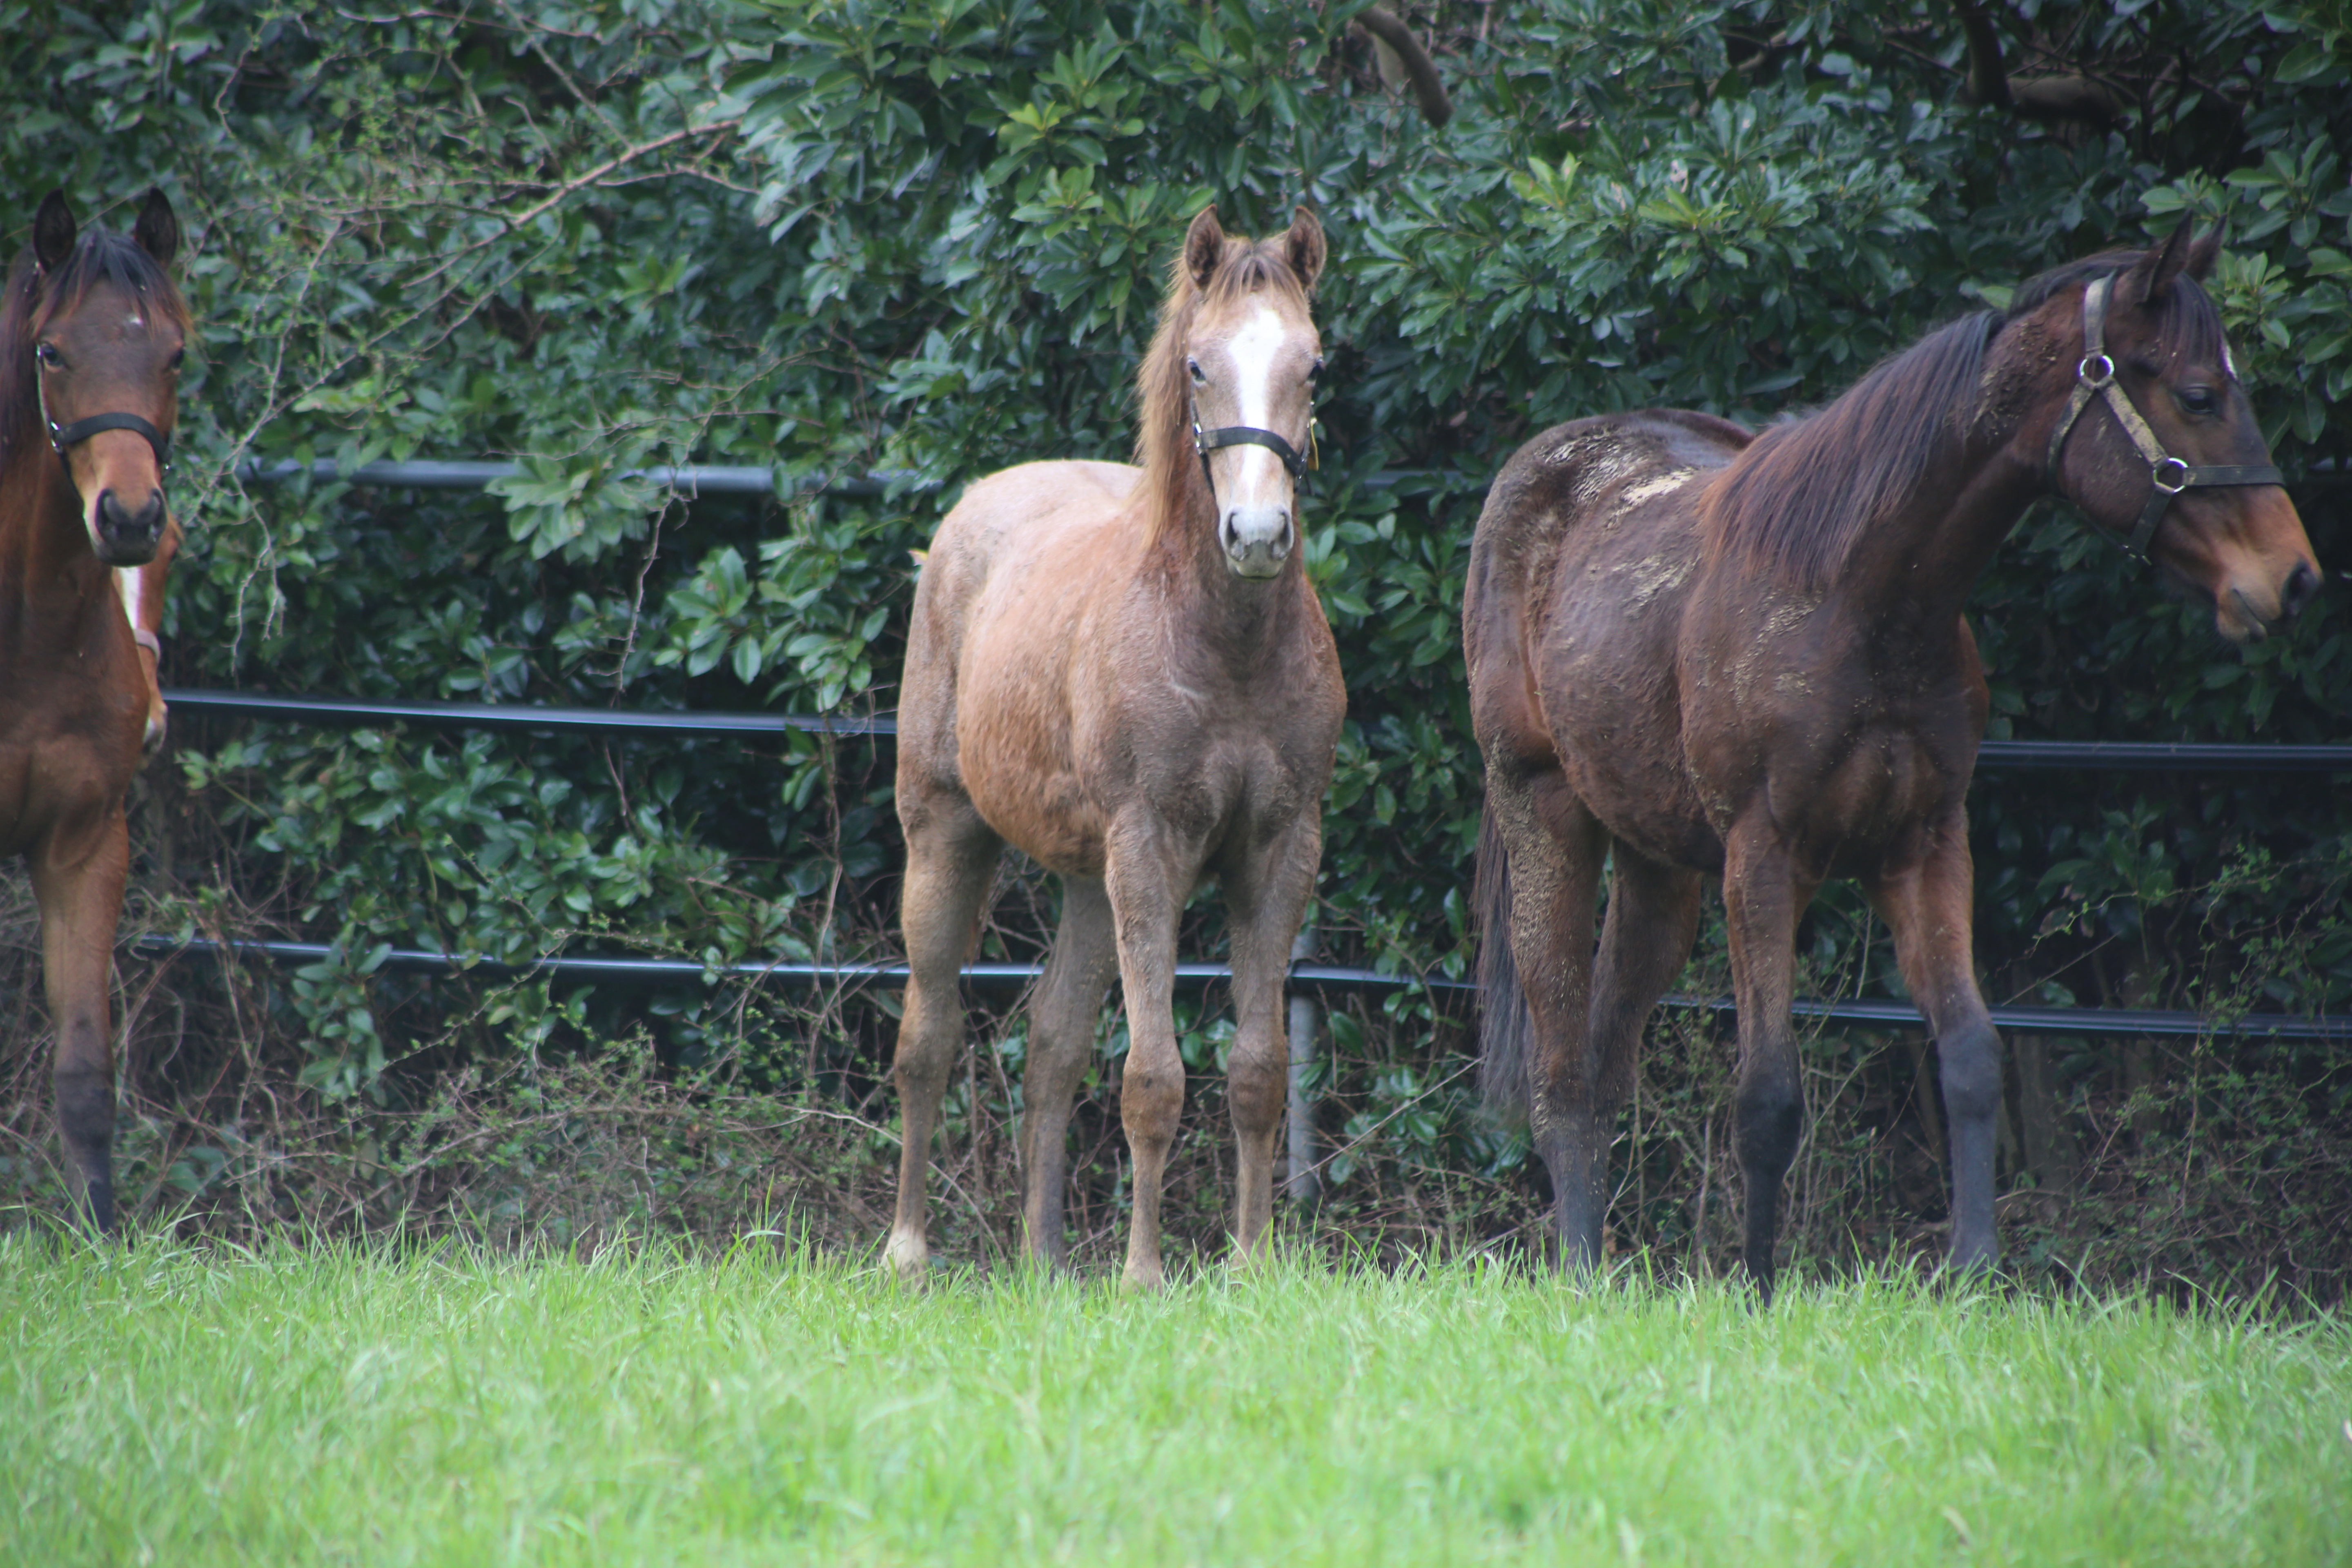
column 925, row 241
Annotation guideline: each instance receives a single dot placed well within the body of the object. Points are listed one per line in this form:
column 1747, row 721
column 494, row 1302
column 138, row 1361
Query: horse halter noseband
column 64, row 435
column 2168, row 475
column 1207, row 441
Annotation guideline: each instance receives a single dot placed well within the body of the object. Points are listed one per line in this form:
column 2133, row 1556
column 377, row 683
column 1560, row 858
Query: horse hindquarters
column 1061, row 1040
column 1539, row 902
column 1266, row 892
column 951, row 859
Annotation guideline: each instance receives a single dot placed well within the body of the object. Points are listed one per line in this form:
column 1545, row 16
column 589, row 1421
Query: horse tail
column 1505, row 1024
column 1403, row 60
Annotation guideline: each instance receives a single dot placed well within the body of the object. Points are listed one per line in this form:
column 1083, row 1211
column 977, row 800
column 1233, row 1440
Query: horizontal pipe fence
column 1305, row 979
column 693, row 481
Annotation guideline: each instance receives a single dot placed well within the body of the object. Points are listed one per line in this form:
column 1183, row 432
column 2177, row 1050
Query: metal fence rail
column 2141, row 756
column 1305, row 979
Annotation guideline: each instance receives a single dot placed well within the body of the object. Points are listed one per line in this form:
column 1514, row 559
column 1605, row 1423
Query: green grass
column 332, row 1403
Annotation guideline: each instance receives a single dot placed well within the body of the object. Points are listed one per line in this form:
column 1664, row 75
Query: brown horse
column 1124, row 673
column 91, row 335
column 1696, row 651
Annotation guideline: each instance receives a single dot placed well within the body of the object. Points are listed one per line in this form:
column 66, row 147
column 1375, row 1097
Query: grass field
column 329, row 1404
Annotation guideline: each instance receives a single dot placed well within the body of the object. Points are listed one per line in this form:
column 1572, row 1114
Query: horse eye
column 2198, row 399
column 1194, row 366
column 178, row 356
column 48, row 356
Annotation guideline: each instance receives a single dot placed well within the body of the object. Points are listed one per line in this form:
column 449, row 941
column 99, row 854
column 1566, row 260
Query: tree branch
column 609, row 164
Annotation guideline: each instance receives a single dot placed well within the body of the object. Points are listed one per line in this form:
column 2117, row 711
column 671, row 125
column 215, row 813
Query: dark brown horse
column 91, row 335
column 1125, row 673
column 1694, row 651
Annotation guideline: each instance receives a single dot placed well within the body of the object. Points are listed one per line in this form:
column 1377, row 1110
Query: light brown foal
column 91, row 335
column 1123, row 672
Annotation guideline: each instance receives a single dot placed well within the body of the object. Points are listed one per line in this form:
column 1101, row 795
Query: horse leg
column 1061, row 1039
column 1763, row 897
column 1554, row 847
column 950, row 860
column 1266, row 892
column 1928, row 906
column 1644, row 942
column 1147, row 894
column 78, row 880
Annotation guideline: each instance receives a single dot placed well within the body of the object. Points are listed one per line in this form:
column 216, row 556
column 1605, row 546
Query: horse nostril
column 1229, row 533
column 2302, row 587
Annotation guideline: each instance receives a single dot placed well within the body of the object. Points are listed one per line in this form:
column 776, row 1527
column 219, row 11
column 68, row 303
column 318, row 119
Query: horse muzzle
column 1256, row 539
column 125, row 536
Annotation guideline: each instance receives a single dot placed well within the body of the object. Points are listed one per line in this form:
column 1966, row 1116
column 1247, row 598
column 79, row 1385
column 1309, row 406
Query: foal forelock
column 1163, row 446
column 98, row 260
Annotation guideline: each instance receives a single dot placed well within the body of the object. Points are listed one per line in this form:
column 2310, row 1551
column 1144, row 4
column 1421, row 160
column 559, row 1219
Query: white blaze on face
column 1253, row 489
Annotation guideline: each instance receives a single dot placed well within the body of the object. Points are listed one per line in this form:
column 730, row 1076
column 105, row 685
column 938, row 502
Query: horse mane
column 1791, row 504
column 1794, row 502
column 98, row 259
column 1163, row 440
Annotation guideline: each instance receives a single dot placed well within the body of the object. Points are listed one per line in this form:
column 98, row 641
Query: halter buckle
column 2097, row 379
column 2155, row 472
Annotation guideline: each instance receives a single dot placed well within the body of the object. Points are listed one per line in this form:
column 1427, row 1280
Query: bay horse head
column 1235, row 364
column 2156, row 442
column 95, row 332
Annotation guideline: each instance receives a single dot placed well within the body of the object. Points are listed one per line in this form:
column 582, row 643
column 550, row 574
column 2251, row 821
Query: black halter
column 2168, row 476
column 1207, row 441
column 64, row 435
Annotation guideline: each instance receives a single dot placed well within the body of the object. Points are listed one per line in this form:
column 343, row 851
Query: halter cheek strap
column 2168, row 475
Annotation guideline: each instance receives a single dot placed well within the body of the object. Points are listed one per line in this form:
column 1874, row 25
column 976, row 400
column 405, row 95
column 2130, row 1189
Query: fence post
column 1301, row 1184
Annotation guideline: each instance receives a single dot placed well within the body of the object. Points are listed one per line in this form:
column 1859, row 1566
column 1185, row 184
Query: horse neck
column 1236, row 618
column 48, row 572
column 1925, row 553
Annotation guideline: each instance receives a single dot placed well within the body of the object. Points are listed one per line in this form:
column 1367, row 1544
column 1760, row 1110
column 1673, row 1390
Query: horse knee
column 1971, row 1074
column 85, row 1099
column 1770, row 1117
column 1150, row 1102
column 1258, row 1083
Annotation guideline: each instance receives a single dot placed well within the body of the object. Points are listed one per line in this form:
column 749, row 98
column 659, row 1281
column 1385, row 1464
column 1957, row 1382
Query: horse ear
column 157, row 232
column 53, row 232
column 2203, row 253
column 1304, row 247
column 1204, row 246
column 2151, row 277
